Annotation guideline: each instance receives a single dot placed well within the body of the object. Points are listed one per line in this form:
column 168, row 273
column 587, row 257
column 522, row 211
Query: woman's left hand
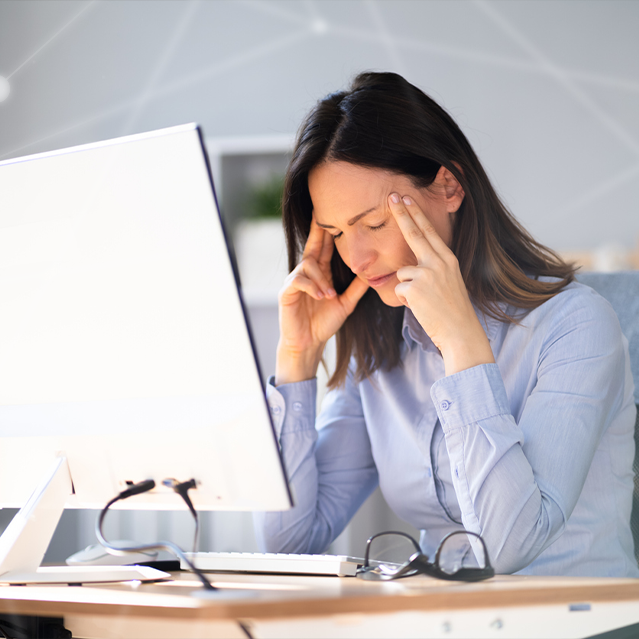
column 435, row 292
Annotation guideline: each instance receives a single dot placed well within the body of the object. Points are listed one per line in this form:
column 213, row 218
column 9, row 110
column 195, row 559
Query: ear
column 452, row 189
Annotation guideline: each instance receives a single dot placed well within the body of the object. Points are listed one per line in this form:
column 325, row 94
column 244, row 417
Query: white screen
column 123, row 341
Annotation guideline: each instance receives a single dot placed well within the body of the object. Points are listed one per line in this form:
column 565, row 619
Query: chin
column 389, row 298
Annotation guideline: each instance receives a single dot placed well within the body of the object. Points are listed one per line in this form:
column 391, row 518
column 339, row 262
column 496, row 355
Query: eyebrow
column 350, row 222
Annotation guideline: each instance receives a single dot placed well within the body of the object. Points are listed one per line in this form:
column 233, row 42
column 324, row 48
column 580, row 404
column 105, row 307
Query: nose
column 360, row 255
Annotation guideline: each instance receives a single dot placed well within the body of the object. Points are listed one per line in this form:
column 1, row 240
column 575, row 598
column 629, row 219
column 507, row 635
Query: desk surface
column 276, row 596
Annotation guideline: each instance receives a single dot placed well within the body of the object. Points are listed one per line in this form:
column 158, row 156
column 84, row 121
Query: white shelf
column 257, row 145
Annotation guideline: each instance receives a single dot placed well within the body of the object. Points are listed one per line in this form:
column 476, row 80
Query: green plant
column 264, row 200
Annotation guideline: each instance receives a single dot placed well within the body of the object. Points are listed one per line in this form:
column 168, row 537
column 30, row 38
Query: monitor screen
column 123, row 339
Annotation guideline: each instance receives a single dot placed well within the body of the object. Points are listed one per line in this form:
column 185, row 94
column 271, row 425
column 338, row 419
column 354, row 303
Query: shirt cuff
column 470, row 396
column 292, row 406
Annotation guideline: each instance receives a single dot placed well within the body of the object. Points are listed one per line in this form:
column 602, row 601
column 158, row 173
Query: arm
column 331, row 470
column 310, row 311
column 518, row 483
column 331, row 473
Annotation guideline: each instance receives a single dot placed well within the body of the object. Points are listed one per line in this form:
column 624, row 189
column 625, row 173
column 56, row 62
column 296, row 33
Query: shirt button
column 276, row 410
column 445, row 405
column 297, row 406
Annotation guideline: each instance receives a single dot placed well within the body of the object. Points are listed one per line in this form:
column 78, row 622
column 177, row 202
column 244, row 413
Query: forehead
column 340, row 189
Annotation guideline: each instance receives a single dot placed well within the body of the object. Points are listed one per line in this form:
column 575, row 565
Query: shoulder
column 580, row 312
column 579, row 299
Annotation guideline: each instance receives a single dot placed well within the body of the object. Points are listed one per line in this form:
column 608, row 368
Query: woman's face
column 351, row 203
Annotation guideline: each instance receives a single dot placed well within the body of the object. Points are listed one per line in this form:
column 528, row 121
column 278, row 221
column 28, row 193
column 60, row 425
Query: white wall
column 548, row 92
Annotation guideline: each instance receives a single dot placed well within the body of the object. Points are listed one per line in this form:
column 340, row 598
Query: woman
column 476, row 381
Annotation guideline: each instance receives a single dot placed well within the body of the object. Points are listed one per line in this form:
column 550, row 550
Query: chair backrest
column 621, row 289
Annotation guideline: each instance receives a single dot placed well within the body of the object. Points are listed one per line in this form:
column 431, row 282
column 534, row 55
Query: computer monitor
column 124, row 348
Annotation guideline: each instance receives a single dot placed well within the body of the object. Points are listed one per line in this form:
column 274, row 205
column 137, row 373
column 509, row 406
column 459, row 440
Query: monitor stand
column 27, row 537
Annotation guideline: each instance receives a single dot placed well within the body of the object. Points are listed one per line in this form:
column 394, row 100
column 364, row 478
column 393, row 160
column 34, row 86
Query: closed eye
column 372, row 228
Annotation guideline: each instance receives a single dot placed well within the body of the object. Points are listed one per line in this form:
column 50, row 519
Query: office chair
column 621, row 289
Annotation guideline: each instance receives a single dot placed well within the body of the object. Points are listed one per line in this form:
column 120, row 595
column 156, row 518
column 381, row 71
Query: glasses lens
column 390, row 550
column 461, row 551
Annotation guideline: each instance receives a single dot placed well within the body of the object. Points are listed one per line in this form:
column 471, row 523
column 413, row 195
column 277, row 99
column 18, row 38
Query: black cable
column 137, row 489
column 182, row 489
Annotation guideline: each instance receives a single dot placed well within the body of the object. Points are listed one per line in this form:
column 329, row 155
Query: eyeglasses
column 460, row 556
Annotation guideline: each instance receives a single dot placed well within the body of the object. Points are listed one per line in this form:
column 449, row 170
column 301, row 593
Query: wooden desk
column 287, row 606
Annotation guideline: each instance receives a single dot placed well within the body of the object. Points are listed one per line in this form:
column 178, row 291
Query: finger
column 327, row 251
column 417, row 230
column 401, row 291
column 311, row 270
column 300, row 283
column 424, row 224
column 408, row 273
column 413, row 235
column 315, row 241
column 353, row 294
column 315, row 272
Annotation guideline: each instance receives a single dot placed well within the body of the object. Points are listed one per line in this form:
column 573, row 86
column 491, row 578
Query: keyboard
column 338, row 565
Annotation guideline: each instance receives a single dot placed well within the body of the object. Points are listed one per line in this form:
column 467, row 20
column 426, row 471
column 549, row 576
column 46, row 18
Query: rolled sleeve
column 292, row 406
column 518, row 479
column 330, row 472
column 484, row 445
column 470, row 396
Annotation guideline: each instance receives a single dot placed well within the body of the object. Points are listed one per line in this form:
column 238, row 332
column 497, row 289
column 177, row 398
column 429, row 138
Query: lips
column 376, row 282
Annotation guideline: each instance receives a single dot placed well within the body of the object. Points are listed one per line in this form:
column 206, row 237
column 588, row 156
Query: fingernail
column 320, row 294
column 407, row 200
column 394, row 198
column 331, row 292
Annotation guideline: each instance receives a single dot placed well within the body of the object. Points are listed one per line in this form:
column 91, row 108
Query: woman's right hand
column 310, row 310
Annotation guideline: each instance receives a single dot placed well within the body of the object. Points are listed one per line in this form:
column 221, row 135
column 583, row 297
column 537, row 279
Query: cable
column 182, row 489
column 137, row 489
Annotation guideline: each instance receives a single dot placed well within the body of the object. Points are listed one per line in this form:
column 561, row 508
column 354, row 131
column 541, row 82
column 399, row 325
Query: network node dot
column 320, row 26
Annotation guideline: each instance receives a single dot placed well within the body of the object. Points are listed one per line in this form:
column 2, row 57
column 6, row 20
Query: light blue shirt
column 534, row 452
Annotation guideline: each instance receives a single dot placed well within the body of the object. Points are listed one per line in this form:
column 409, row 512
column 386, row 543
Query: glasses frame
column 418, row 562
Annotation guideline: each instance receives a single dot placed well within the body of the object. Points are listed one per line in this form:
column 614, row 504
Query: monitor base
column 83, row 574
column 26, row 538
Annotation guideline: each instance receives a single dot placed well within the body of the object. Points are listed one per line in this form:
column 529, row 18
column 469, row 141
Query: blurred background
column 547, row 93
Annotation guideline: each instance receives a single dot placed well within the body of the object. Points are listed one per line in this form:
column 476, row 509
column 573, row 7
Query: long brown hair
column 385, row 122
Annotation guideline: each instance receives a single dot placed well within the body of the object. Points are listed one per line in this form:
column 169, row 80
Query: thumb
column 353, row 294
